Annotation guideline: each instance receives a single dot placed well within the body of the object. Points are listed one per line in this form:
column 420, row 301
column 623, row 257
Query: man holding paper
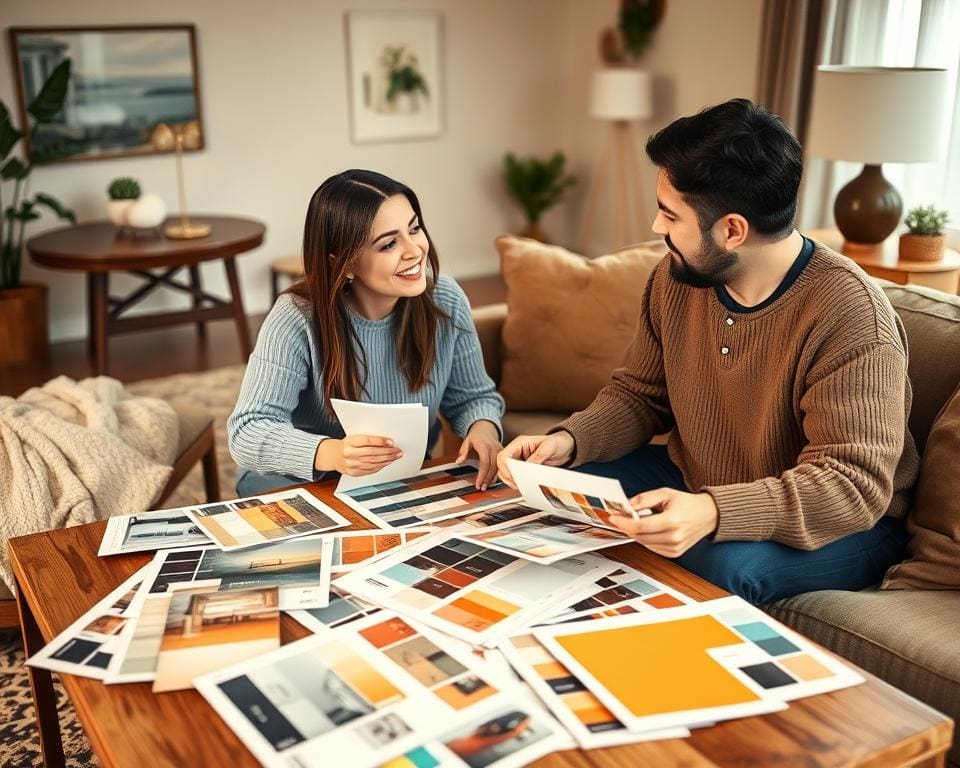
column 777, row 365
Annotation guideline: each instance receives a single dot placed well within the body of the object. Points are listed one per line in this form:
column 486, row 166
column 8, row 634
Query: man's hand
column 553, row 450
column 356, row 455
column 483, row 439
column 683, row 520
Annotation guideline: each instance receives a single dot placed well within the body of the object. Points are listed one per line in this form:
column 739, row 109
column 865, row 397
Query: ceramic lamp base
column 186, row 231
column 868, row 209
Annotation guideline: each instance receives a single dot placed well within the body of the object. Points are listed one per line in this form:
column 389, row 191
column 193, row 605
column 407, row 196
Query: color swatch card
column 502, row 734
column 149, row 531
column 359, row 696
column 300, row 568
column 342, row 608
column 264, row 519
column 406, row 424
column 468, row 591
column 786, row 665
column 206, row 629
column 436, row 494
column 658, row 669
column 624, row 591
column 351, row 549
column 582, row 714
column 87, row 646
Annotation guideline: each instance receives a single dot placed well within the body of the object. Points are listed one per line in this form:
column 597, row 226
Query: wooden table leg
column 243, row 330
column 195, row 282
column 41, row 685
column 98, row 315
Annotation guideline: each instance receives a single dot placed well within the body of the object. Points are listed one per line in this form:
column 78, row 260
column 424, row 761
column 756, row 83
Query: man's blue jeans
column 762, row 571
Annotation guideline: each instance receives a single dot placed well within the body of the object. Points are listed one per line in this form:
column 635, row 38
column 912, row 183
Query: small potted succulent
column 536, row 185
column 924, row 241
column 123, row 192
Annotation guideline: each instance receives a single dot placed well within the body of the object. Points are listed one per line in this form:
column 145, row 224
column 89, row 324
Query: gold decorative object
column 179, row 137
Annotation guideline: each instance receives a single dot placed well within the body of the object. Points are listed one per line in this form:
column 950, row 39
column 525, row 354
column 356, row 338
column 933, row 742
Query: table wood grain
column 60, row 577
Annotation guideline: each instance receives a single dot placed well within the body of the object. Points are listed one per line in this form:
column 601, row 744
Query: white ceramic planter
column 117, row 211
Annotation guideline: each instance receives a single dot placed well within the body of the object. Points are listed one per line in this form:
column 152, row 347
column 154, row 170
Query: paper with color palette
column 406, row 424
column 467, row 591
column 352, row 549
column 436, row 494
column 359, row 695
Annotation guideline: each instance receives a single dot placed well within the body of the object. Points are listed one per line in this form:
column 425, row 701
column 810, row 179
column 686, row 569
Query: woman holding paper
column 372, row 321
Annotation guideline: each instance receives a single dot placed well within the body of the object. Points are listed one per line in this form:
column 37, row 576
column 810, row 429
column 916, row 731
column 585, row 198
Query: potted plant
column 123, row 191
column 536, row 185
column 23, row 306
column 636, row 22
column 404, row 81
column 924, row 241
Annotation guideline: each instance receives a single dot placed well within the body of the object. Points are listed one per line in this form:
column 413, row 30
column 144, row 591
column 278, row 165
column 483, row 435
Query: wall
column 274, row 95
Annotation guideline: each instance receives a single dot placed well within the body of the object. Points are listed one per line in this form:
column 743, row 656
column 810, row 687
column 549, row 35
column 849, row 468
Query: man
column 779, row 367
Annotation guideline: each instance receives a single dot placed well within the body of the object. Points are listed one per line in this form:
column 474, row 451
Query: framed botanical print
column 124, row 82
column 394, row 63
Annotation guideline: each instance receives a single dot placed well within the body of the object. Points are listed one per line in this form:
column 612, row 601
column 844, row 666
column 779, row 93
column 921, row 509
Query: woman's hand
column 356, row 455
column 483, row 439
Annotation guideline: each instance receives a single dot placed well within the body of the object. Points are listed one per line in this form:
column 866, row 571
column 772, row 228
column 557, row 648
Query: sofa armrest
column 489, row 321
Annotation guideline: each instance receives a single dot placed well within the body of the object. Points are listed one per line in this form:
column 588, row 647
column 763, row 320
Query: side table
column 97, row 249
column 884, row 262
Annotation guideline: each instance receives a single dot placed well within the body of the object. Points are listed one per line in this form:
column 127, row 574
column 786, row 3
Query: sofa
column 908, row 637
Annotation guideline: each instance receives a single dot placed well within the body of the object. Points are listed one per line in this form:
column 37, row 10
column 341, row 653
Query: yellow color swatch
column 359, row 674
column 663, row 667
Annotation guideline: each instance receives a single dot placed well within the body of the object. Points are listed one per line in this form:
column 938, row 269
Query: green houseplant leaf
column 536, row 185
column 56, row 206
column 50, row 100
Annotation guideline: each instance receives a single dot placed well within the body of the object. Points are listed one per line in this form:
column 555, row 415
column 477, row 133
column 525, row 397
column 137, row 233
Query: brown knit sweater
column 793, row 417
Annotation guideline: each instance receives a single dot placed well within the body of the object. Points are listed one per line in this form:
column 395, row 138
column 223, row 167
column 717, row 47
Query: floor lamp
column 620, row 97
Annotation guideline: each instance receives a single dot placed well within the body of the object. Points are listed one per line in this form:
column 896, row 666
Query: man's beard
column 720, row 263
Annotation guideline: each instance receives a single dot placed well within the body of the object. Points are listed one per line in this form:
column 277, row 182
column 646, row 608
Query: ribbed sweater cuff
column 297, row 453
column 744, row 512
column 462, row 422
column 581, row 426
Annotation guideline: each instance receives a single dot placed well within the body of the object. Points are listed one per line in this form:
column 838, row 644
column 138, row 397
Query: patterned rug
column 214, row 390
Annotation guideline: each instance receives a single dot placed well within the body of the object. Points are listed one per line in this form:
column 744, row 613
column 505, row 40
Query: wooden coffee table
column 60, row 577
column 98, row 249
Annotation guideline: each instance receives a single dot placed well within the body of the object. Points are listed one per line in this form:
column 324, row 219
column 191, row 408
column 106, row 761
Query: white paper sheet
column 404, row 423
column 87, row 646
column 467, row 591
column 354, row 549
column 149, row 531
column 265, row 519
column 359, row 695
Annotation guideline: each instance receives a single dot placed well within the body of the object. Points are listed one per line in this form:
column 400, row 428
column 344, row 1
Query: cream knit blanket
column 74, row 452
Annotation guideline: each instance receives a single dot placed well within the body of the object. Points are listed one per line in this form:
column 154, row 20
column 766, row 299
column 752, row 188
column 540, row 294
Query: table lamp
column 179, row 137
column 620, row 96
column 875, row 115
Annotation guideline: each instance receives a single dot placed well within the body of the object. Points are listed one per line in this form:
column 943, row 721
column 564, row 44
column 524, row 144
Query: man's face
column 695, row 257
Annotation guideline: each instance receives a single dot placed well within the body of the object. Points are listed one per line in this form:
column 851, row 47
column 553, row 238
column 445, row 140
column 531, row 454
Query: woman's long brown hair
column 339, row 219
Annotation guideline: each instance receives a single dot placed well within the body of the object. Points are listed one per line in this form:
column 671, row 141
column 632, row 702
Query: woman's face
column 393, row 262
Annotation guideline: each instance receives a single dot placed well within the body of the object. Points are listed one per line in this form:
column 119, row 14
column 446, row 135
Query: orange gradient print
column 359, row 674
column 658, row 668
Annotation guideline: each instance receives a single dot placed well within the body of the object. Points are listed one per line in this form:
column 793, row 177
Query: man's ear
column 733, row 231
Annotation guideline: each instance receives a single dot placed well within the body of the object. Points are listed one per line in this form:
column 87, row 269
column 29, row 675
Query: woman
column 371, row 321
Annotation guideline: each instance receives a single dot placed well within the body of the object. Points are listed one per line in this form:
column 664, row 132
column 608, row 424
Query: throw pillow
column 934, row 520
column 569, row 320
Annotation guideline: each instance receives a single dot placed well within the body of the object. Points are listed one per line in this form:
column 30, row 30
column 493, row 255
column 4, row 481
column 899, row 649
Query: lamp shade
column 877, row 115
column 621, row 94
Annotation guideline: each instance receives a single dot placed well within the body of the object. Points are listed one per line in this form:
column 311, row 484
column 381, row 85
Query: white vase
column 148, row 212
column 117, row 211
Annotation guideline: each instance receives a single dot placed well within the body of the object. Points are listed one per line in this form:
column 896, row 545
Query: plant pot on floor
column 24, row 325
column 921, row 247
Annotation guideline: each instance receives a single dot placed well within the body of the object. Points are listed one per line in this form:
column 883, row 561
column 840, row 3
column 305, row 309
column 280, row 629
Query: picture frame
column 394, row 75
column 125, row 80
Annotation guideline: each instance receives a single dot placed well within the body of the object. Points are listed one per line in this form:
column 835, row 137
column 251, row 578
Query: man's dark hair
column 735, row 157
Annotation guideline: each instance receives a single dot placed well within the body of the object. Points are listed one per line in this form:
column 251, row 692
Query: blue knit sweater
column 280, row 417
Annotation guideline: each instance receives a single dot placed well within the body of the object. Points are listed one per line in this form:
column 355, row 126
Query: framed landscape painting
column 124, row 82
column 394, row 62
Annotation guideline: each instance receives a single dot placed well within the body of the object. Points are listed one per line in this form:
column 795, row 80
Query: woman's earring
column 348, row 283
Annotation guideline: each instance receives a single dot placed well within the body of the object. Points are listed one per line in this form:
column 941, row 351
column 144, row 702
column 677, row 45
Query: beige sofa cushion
column 908, row 638
column 569, row 320
column 934, row 520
